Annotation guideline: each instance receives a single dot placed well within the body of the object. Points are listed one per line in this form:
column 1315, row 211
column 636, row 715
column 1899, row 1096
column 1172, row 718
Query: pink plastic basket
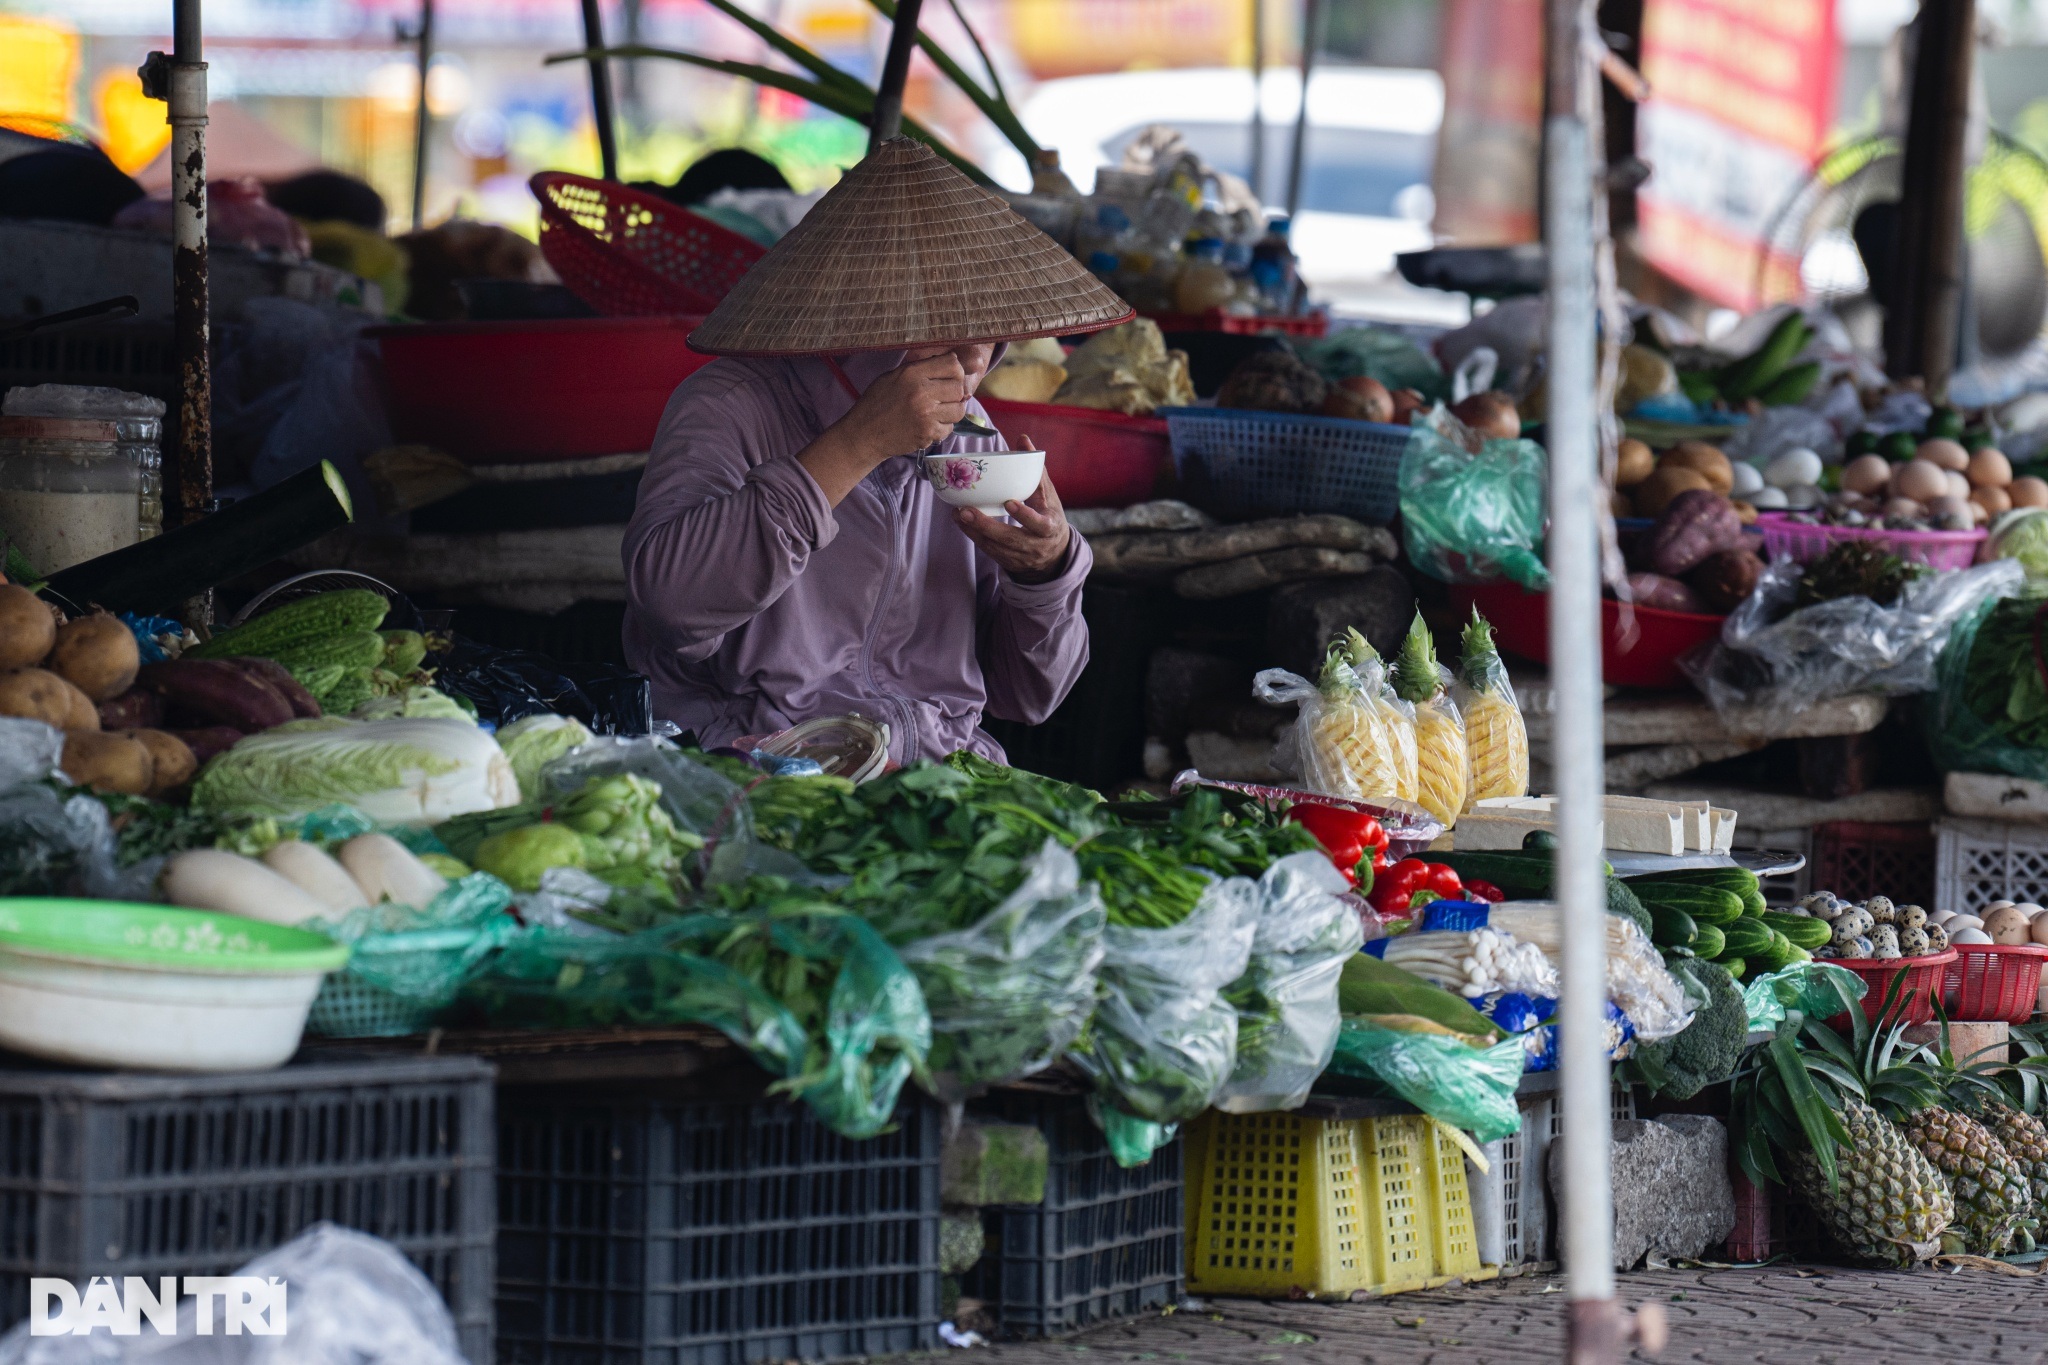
column 1786, row 539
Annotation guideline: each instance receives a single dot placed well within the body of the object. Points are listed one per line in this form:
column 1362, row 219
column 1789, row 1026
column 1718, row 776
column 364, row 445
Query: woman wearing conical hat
column 787, row 559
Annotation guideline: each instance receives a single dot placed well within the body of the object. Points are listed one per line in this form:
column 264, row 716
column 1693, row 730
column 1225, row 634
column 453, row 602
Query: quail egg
column 1881, row 909
column 1937, row 938
column 1913, row 942
column 1912, row 917
column 1853, row 921
column 1884, row 942
column 1857, row 947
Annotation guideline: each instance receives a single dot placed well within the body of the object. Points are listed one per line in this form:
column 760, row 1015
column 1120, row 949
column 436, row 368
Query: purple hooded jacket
column 754, row 604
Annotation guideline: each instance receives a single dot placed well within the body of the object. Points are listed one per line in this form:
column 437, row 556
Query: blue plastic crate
column 1238, row 462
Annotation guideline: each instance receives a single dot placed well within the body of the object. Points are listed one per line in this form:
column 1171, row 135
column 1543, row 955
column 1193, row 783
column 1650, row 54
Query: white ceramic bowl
column 985, row 479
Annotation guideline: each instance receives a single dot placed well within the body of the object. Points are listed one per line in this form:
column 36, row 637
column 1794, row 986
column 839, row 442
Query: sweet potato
column 207, row 742
column 1661, row 594
column 279, row 677
column 1697, row 523
column 1725, row 578
column 215, row 692
column 135, row 709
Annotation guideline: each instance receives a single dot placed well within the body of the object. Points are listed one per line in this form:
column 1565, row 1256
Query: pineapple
column 1495, row 737
column 2026, row 1141
column 1348, row 748
column 1989, row 1186
column 1443, row 766
column 1889, row 1205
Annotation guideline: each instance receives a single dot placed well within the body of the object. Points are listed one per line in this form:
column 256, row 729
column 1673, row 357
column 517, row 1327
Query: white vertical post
column 1574, row 552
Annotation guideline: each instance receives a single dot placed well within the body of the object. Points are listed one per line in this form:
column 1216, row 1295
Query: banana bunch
column 1766, row 374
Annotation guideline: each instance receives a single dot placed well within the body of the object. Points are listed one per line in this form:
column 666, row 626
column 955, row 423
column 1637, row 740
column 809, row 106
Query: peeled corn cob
column 1443, row 763
column 1495, row 737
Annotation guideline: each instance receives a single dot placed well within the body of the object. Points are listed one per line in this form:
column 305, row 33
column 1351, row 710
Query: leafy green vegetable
column 1707, row 1050
column 532, row 743
column 418, row 700
column 2004, row 684
column 517, row 857
column 403, row 771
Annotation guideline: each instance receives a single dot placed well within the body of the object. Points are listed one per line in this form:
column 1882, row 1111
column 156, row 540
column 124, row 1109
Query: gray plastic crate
column 128, row 1174
column 644, row 1230
column 1108, row 1242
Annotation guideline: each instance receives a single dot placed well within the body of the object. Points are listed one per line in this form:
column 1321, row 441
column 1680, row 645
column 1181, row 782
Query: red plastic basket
column 1857, row 860
column 629, row 254
column 1238, row 324
column 1521, row 626
column 1925, row 978
column 516, row 392
column 1988, row 982
column 1096, row 459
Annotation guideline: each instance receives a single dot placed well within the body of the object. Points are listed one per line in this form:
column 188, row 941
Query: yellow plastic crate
column 1279, row 1206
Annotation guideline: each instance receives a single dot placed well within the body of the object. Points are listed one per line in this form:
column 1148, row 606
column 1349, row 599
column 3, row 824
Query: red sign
column 1489, row 152
column 1742, row 97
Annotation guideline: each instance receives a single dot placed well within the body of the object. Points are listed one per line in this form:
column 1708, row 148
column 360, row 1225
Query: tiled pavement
column 1777, row 1315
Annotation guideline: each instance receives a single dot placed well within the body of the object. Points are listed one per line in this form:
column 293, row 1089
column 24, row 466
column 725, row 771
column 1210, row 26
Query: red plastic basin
column 1096, row 459
column 518, row 392
column 1521, row 626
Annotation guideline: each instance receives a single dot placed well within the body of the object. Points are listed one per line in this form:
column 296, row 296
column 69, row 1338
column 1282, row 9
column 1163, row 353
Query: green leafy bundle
column 2003, row 683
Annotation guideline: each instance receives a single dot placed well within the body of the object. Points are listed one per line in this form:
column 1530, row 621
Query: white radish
column 313, row 872
column 387, row 871
column 213, row 879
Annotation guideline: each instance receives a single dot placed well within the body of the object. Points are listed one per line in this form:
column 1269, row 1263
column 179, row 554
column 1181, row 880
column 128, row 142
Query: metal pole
column 601, row 92
column 1258, row 161
column 1311, row 39
column 1920, row 328
column 1595, row 1323
column 190, row 466
column 421, row 116
column 888, row 117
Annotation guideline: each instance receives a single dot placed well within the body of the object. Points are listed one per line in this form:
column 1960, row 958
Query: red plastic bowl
column 1096, row 459
column 1990, row 982
column 517, row 392
column 1521, row 626
column 1924, row 980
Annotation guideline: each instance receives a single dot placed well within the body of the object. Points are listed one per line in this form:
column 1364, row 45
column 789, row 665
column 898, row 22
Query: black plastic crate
column 128, row 1174
column 642, row 1230
column 1096, row 737
column 1108, row 1242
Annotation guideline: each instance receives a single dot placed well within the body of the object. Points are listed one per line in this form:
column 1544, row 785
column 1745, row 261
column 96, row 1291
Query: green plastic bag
column 1818, row 990
column 1389, row 357
column 1960, row 739
column 847, row 1054
column 1466, row 1087
column 410, row 963
column 1473, row 518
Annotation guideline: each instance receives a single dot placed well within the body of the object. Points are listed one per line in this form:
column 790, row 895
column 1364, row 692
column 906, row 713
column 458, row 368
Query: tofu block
column 1699, row 834
column 1724, row 829
column 1646, row 831
column 1634, row 824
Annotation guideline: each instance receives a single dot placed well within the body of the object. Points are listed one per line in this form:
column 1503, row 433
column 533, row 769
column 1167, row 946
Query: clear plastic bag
column 1286, row 1001
column 57, row 845
column 350, row 1299
column 1770, row 656
column 699, row 799
column 1466, row 1087
column 1817, row 990
column 1352, row 737
column 1959, row 738
column 1473, row 518
column 1010, row 993
column 849, row 1063
column 1164, row 1041
column 29, row 751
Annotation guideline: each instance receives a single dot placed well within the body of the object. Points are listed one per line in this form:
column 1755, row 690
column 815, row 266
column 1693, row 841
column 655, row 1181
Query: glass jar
column 70, row 490
column 141, row 442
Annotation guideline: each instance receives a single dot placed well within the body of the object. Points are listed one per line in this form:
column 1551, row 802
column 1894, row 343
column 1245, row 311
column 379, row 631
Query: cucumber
column 1746, row 938
column 1780, row 954
column 1734, row 966
column 1802, row 931
column 1521, row 876
column 1671, row 927
column 1539, row 841
column 1710, row 943
column 1704, row 903
column 1736, row 879
column 1753, row 903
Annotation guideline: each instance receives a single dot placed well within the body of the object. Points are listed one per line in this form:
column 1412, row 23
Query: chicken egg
column 2028, row 491
column 1866, row 474
column 1992, row 498
column 1744, row 479
column 1801, row 496
column 1944, row 452
column 1794, row 468
column 1920, row 480
column 1768, row 499
column 1903, row 508
column 1990, row 468
column 1958, row 486
column 1952, row 513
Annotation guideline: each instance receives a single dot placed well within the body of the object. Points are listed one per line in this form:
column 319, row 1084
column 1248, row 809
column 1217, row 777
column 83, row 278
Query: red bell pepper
column 1445, row 882
column 1391, row 891
column 1483, row 891
column 1350, row 838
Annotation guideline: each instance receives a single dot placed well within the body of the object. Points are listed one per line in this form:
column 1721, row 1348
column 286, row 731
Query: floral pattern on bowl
column 956, row 473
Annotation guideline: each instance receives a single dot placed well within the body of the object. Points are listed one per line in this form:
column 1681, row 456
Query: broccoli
column 1707, row 1050
column 1622, row 901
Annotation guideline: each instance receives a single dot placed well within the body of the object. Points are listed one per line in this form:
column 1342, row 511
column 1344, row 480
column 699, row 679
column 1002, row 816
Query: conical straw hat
column 906, row 251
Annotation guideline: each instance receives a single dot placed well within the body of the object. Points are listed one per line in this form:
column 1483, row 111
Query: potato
column 173, row 759
column 83, row 714
column 27, row 629
column 1656, row 493
column 1633, row 463
column 98, row 655
column 1706, row 459
column 107, row 763
column 35, row 694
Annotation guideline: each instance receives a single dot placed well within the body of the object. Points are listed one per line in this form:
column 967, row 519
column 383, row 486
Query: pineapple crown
column 1415, row 674
column 1985, row 1079
column 1339, row 679
column 1480, row 659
